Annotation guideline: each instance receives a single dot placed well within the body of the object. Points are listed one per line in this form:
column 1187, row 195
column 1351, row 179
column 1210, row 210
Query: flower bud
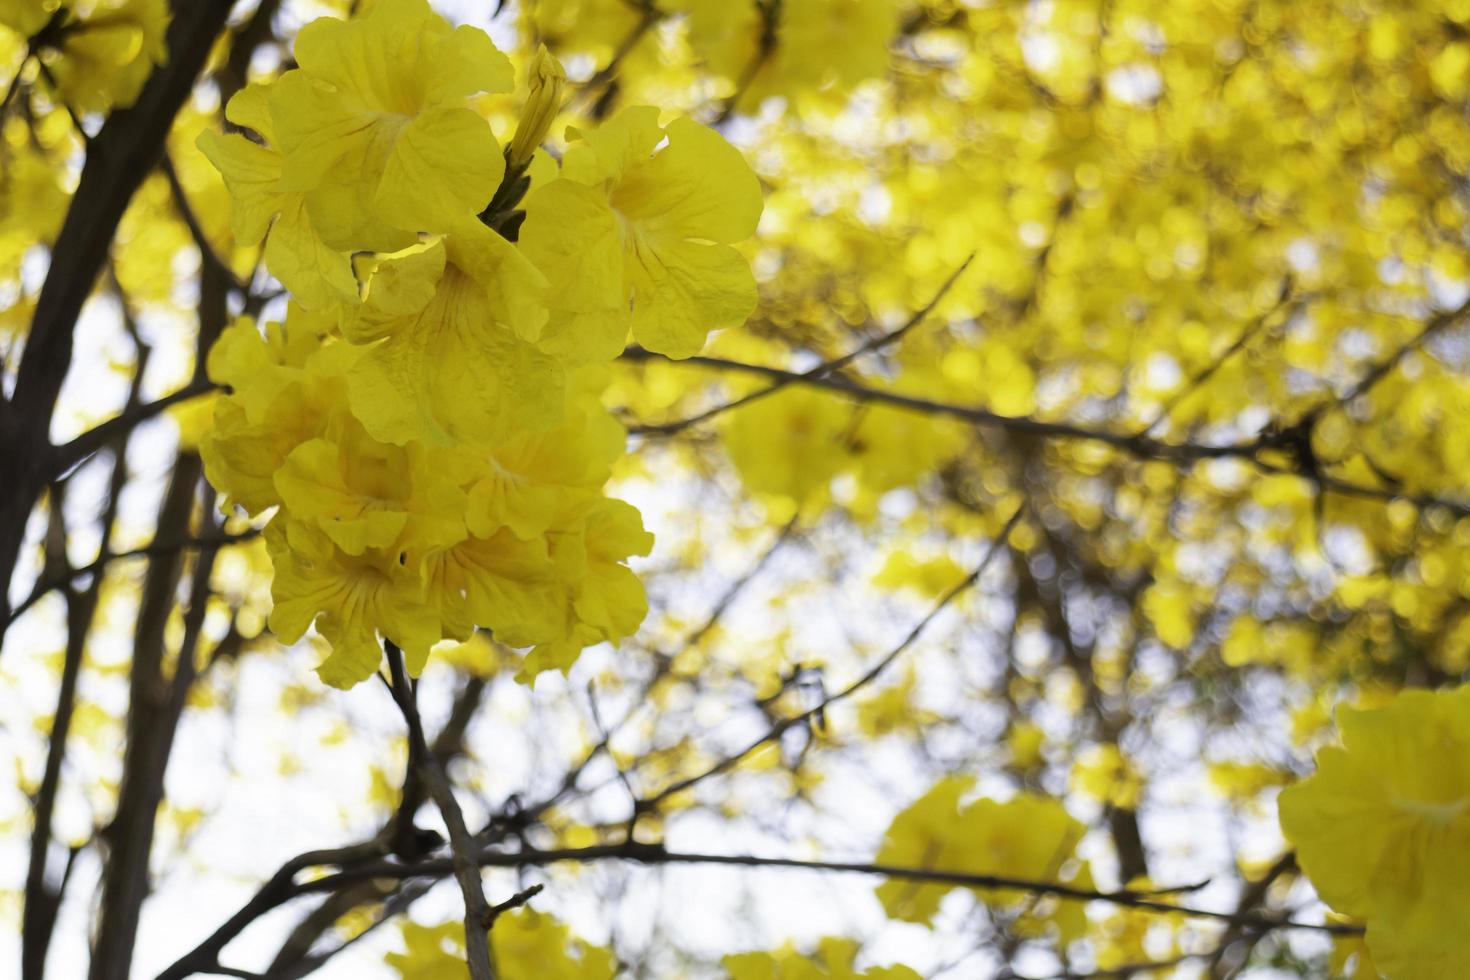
column 548, row 81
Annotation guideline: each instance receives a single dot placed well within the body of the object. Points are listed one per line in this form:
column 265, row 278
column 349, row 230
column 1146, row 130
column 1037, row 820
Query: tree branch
column 654, row 854
column 786, row 724
column 466, row 871
column 1184, row 454
column 122, row 154
column 68, row 454
column 820, row 371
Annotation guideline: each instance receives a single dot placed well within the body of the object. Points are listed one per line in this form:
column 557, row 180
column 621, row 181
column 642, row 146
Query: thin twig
column 820, row 371
column 786, row 724
column 207, row 254
column 514, row 902
column 150, row 550
column 1199, row 380
column 68, row 454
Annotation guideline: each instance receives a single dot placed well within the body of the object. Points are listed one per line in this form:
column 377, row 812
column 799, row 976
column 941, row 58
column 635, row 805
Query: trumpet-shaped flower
column 365, row 494
column 287, row 388
column 600, row 600
column 1382, row 829
column 376, row 113
column 634, row 236
column 355, row 601
column 529, row 479
column 526, row 943
column 318, row 275
column 451, row 359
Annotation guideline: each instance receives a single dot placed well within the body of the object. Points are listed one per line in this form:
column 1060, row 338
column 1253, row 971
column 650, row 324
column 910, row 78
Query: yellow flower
column 790, row 444
column 375, row 120
column 600, row 600
column 1028, row 837
column 451, row 359
column 832, row 959
column 526, row 944
column 287, row 387
column 1382, row 829
column 548, row 83
column 317, row 275
column 529, row 479
column 102, row 59
column 353, row 600
column 630, row 237
column 819, row 44
column 365, row 494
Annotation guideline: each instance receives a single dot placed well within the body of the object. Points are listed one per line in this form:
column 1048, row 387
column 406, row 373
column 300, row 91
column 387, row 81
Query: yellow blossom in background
column 833, row 958
column 99, row 53
column 1027, row 837
column 526, row 945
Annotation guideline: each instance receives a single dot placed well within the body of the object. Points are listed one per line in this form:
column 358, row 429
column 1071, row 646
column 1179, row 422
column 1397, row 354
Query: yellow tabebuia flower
column 1382, row 829
column 375, row 120
column 818, row 44
column 527, row 945
column 832, row 960
column 530, row 478
column 428, row 424
column 452, row 360
column 634, row 236
column 286, row 388
column 1028, row 837
column 365, row 494
column 355, row 601
column 98, row 53
column 602, row 600
column 317, row 275
column 790, row 444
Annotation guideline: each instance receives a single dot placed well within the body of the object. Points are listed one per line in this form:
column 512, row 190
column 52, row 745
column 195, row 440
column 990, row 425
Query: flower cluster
column 426, row 425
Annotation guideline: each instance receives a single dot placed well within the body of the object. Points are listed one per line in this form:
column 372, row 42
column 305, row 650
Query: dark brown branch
column 123, row 153
column 1435, row 325
column 42, row 900
column 154, row 549
column 1254, row 451
column 461, row 843
column 514, row 902
column 1210, row 370
column 280, row 889
column 68, row 454
column 654, row 854
column 152, row 719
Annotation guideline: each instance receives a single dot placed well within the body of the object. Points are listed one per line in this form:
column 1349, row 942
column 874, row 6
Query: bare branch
column 461, row 843
column 786, row 724
column 820, row 371
column 654, row 854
